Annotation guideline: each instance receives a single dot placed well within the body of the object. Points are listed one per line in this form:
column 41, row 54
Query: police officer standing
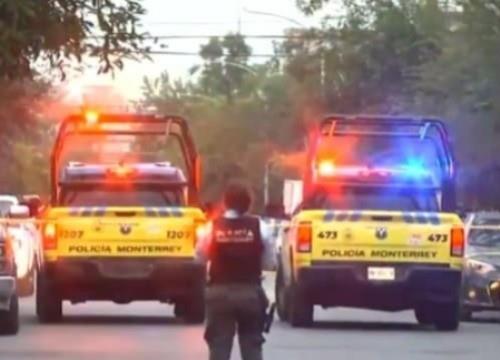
column 237, row 250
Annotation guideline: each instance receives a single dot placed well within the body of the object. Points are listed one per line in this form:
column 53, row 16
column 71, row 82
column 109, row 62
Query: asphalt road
column 98, row 331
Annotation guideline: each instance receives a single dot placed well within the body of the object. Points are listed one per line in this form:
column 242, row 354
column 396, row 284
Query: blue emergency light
column 412, row 171
column 415, row 168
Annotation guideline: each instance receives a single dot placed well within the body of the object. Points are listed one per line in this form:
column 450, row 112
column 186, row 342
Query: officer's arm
column 268, row 257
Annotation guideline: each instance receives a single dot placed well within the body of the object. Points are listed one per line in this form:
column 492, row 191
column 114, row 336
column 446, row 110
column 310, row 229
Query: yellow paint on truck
column 124, row 232
column 379, row 237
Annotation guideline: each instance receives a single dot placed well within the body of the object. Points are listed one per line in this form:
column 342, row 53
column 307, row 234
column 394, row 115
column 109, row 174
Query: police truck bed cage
column 392, row 126
column 338, row 124
column 94, row 124
column 396, row 129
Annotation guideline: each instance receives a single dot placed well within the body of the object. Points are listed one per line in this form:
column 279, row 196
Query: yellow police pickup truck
column 120, row 232
column 375, row 237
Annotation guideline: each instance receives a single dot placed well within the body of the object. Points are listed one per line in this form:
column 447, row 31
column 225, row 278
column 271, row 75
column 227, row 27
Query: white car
column 6, row 201
column 26, row 242
column 275, row 228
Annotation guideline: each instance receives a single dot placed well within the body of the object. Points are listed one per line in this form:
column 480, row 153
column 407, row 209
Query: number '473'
column 438, row 238
column 327, row 235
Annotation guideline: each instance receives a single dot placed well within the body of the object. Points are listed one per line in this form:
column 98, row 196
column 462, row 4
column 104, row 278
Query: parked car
column 481, row 279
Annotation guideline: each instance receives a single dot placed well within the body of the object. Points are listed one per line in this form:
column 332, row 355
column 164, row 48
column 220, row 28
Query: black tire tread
column 9, row 319
column 48, row 303
column 301, row 311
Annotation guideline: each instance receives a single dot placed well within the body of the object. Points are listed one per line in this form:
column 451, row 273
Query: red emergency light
column 121, row 171
column 326, row 168
column 91, row 117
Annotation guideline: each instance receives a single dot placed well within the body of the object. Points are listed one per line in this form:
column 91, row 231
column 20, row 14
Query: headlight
column 480, row 267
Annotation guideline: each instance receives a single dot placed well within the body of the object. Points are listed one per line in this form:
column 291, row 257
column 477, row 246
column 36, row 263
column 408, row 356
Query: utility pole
column 239, row 17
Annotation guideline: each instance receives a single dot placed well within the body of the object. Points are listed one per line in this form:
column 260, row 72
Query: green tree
column 235, row 139
column 21, row 103
column 40, row 36
column 62, row 31
column 225, row 68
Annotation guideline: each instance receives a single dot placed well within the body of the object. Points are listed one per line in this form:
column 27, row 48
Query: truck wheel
column 9, row 319
column 193, row 309
column 280, row 294
column 447, row 316
column 48, row 303
column 423, row 314
column 301, row 310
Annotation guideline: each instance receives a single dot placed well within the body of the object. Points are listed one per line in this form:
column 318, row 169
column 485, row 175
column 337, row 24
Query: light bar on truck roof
column 91, row 117
column 121, row 171
column 411, row 173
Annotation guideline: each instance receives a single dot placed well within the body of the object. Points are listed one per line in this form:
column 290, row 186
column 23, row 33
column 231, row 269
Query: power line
column 187, row 53
column 244, row 36
column 261, row 36
column 161, row 23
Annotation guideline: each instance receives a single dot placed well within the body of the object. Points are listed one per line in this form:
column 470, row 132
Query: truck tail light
column 304, row 237
column 457, row 242
column 50, row 237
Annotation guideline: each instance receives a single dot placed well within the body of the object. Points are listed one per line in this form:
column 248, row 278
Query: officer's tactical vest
column 236, row 251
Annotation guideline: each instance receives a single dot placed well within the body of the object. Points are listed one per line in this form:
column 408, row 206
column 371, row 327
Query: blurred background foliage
column 425, row 57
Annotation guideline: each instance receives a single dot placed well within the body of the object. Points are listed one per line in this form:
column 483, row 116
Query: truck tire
column 281, row 296
column 423, row 315
column 192, row 309
column 48, row 302
column 301, row 310
column 9, row 319
column 447, row 316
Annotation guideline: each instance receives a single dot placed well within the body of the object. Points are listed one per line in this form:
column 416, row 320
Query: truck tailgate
column 127, row 232
column 382, row 237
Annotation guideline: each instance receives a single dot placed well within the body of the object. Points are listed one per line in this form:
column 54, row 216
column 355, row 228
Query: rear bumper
column 7, row 289
column 347, row 285
column 125, row 280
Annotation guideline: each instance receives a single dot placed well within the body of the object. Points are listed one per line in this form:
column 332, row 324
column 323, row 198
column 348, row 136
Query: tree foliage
column 37, row 37
column 225, row 68
column 427, row 57
column 237, row 128
column 63, row 31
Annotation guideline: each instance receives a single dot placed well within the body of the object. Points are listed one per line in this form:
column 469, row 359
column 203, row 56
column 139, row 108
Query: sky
column 197, row 17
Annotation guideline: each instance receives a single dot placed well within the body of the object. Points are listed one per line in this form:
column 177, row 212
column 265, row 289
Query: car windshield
column 485, row 231
column 485, row 238
column 373, row 199
column 105, row 197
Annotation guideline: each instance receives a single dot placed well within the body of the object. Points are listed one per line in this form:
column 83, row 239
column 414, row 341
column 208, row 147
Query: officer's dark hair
column 237, row 197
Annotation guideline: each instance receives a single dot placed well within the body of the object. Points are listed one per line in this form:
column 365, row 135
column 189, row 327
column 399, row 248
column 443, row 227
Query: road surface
column 99, row 331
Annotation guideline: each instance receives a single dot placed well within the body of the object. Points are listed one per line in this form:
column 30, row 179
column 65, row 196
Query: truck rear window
column 374, row 199
column 122, row 197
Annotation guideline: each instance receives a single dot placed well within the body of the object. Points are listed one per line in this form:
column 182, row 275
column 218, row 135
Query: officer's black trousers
column 231, row 309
